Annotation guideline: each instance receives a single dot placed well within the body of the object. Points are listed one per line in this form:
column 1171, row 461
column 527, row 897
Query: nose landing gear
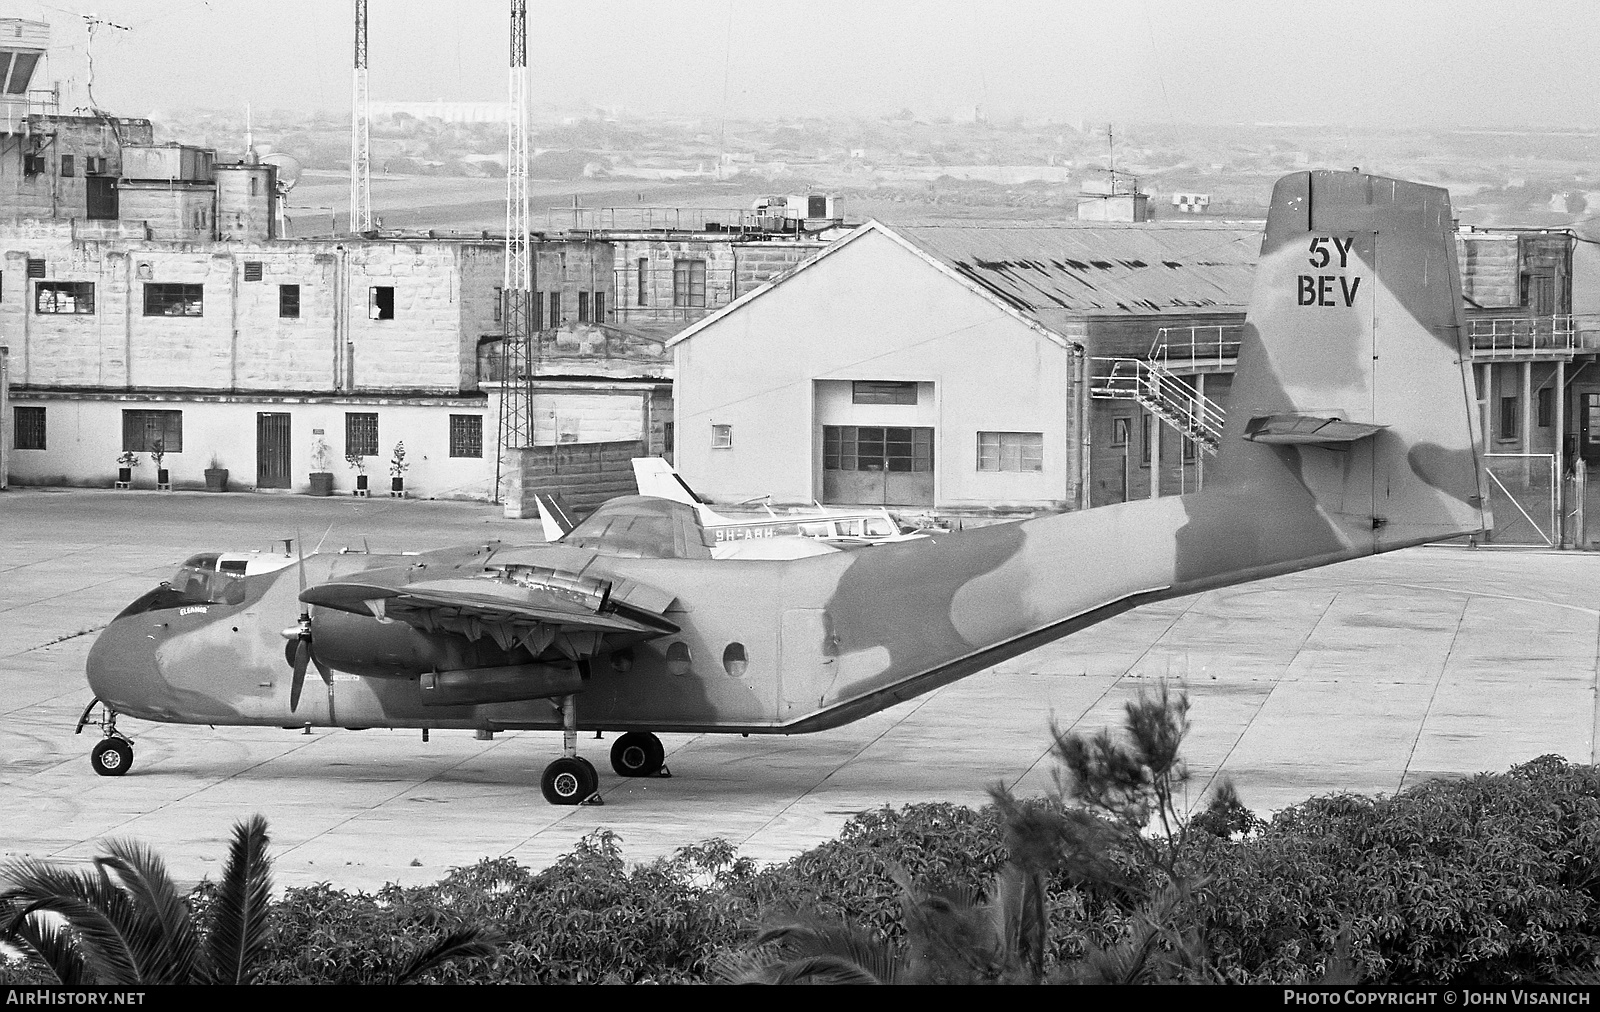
column 113, row 756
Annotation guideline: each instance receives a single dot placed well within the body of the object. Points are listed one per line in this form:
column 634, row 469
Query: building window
column 1146, row 428
column 535, row 309
column 1508, row 417
column 642, row 283
column 360, row 434
column 174, row 300
column 689, row 284
column 63, row 297
column 1546, row 407
column 583, row 307
column 876, row 448
column 555, row 310
column 67, row 166
column 599, row 307
column 252, row 270
column 380, row 302
column 1120, row 428
column 1011, row 451
column 35, row 268
column 141, row 430
column 874, row 392
column 666, row 439
column 289, row 302
column 721, row 437
column 28, row 433
column 499, row 304
column 466, row 435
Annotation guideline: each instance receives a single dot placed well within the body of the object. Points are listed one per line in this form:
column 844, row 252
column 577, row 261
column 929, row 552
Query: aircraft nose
column 122, row 665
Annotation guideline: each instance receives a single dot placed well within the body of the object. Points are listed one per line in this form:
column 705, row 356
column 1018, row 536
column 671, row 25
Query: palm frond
column 801, row 937
column 45, row 940
column 169, row 947
column 823, row 969
column 237, row 932
column 467, row 943
column 99, row 915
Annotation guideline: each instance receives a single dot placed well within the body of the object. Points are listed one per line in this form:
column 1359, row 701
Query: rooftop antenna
column 93, row 23
column 360, row 159
column 519, row 338
column 249, row 136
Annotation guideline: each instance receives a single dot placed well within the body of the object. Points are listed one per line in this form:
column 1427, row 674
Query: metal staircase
column 1152, row 384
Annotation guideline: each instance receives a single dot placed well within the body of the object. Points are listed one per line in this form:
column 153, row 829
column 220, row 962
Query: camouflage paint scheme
column 832, row 638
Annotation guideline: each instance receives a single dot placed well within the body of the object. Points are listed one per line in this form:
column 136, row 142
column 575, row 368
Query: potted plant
column 321, row 465
column 216, row 475
column 397, row 471
column 126, row 463
column 158, row 449
column 358, row 462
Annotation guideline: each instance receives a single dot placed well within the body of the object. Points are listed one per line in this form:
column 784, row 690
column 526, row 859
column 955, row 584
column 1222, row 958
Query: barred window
column 141, row 430
column 583, row 307
column 360, row 434
column 689, row 284
column 174, row 300
column 252, row 270
column 599, row 307
column 289, row 302
column 1011, row 451
column 63, row 297
column 28, row 433
column 466, row 435
column 874, row 392
column 555, row 310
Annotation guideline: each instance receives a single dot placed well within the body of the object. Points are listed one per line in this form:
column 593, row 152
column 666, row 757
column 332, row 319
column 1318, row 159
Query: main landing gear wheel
column 570, row 780
column 638, row 754
column 112, row 757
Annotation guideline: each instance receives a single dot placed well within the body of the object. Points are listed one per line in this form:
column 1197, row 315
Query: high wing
column 454, row 605
column 643, row 527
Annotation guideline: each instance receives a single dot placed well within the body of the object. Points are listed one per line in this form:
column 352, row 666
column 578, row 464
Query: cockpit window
column 880, row 528
column 197, row 581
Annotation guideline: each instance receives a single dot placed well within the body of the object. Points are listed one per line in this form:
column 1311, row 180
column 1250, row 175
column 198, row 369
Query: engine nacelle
column 509, row 684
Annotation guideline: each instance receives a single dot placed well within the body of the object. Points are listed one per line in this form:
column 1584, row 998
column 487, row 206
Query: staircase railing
column 1164, row 394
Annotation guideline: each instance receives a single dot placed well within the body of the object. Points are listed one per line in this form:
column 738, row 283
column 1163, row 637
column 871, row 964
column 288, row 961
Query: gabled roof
column 1046, row 274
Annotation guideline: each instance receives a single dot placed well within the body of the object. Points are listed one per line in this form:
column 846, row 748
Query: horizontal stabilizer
column 1303, row 430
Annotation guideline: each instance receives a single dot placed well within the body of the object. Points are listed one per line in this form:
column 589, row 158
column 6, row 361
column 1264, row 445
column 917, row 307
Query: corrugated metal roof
column 1101, row 268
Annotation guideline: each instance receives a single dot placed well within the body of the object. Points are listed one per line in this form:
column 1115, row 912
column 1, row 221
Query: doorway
column 272, row 449
column 877, row 465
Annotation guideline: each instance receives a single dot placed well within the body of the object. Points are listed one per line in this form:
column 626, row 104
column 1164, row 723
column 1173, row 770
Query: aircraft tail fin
column 658, row 478
column 1354, row 387
column 555, row 519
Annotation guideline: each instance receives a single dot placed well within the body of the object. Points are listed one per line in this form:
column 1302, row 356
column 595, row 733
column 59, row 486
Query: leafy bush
column 1491, row 880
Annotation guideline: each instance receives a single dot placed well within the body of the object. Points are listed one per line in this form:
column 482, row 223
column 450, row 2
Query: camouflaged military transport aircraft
column 1352, row 430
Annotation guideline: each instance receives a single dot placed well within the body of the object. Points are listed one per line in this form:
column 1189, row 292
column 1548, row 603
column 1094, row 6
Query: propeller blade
column 322, row 669
column 302, row 654
column 300, row 546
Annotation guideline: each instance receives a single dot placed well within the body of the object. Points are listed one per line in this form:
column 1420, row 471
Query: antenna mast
column 517, row 344
column 360, row 158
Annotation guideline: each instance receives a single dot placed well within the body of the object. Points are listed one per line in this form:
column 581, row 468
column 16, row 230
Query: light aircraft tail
column 658, row 478
column 555, row 519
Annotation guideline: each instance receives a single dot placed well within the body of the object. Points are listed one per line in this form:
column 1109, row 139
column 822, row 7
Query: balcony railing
column 1215, row 346
column 1522, row 336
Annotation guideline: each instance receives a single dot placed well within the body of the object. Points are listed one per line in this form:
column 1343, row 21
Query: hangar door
column 877, row 465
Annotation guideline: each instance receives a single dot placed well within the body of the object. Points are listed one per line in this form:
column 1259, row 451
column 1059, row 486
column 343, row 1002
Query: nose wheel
column 639, row 754
column 113, row 757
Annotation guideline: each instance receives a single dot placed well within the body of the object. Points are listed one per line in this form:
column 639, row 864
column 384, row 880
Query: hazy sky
column 1361, row 62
